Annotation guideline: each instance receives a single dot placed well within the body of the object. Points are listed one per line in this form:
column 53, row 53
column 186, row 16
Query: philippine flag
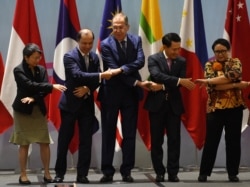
column 194, row 49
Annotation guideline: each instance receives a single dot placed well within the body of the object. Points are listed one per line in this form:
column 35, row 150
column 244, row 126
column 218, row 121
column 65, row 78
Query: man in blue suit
column 83, row 76
column 122, row 53
column 167, row 71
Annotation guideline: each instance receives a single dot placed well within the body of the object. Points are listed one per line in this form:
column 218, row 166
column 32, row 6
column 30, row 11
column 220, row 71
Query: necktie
column 169, row 62
column 123, row 44
column 86, row 59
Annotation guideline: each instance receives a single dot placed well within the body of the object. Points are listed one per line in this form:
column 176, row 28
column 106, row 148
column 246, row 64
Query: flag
column 6, row 120
column 237, row 21
column 150, row 30
column 67, row 29
column 110, row 9
column 193, row 48
column 24, row 30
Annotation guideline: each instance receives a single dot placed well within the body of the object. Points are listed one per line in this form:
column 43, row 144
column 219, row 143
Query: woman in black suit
column 30, row 123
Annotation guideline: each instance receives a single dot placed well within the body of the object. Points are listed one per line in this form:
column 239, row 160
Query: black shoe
column 202, row 178
column 106, row 179
column 127, row 178
column 173, row 178
column 159, row 178
column 24, row 182
column 58, row 179
column 233, row 178
column 46, row 180
column 82, row 179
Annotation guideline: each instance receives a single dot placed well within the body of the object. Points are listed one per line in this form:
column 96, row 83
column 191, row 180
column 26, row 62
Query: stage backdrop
column 90, row 15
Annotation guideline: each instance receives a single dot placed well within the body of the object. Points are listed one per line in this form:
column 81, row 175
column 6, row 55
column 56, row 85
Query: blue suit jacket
column 112, row 90
column 160, row 73
column 77, row 75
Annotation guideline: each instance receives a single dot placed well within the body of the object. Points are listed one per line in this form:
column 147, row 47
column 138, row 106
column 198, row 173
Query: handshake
column 110, row 73
column 153, row 86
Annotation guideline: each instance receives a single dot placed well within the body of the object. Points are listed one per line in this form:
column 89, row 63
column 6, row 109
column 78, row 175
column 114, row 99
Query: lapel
column 80, row 60
column 163, row 63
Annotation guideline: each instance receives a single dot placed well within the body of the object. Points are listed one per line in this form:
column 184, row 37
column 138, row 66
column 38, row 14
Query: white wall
column 90, row 15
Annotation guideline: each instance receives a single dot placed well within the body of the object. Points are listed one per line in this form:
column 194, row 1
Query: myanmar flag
column 150, row 30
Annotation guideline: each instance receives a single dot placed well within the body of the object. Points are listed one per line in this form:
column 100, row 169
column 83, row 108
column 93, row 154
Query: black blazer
column 29, row 85
column 76, row 76
column 160, row 73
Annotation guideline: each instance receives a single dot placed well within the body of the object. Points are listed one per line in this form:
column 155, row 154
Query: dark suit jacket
column 29, row 85
column 160, row 73
column 77, row 75
column 112, row 90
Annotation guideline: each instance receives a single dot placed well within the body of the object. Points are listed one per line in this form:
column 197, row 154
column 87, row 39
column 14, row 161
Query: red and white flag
column 24, row 30
column 237, row 32
column 6, row 120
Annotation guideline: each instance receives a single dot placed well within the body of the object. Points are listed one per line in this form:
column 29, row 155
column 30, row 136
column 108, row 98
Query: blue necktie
column 123, row 44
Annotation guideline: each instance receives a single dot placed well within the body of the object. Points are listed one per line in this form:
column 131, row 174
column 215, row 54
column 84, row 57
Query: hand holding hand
column 106, row 74
column 144, row 84
column 202, row 82
column 155, row 86
column 187, row 83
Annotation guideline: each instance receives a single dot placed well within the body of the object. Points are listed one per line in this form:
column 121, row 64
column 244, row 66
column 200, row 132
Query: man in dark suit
column 82, row 71
column 121, row 53
column 164, row 103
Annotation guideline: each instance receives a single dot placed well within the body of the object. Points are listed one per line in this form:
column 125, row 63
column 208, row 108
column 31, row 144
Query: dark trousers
column 161, row 122
column 128, row 108
column 84, row 120
column 230, row 120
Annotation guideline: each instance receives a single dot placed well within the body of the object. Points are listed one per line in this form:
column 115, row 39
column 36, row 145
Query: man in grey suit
column 164, row 103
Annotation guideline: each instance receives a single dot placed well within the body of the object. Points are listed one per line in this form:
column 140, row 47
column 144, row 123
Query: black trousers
column 128, row 108
column 231, row 121
column 161, row 122
column 84, row 118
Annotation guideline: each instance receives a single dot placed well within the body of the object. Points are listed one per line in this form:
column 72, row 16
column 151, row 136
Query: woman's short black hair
column 223, row 42
column 31, row 48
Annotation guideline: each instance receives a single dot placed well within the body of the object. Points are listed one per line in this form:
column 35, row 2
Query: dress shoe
column 82, row 179
column 159, row 178
column 106, row 179
column 58, row 179
column 202, row 178
column 233, row 178
column 173, row 178
column 24, row 182
column 47, row 180
column 127, row 178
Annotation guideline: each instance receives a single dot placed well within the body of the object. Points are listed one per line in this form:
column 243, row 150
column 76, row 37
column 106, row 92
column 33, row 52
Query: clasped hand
column 81, row 91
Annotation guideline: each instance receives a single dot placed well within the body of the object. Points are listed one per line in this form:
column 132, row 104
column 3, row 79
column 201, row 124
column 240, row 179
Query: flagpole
column 72, row 168
column 195, row 166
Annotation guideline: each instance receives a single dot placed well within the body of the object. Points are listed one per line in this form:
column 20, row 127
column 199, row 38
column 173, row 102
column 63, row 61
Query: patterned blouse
column 223, row 99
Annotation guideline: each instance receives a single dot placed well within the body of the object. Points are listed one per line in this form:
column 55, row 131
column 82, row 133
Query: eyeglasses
column 217, row 52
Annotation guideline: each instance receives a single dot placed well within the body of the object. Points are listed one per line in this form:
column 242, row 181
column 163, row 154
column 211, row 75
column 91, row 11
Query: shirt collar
column 83, row 54
column 165, row 54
